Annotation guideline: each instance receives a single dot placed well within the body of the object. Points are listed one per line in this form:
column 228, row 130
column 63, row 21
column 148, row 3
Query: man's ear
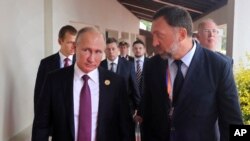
column 198, row 35
column 182, row 34
column 59, row 41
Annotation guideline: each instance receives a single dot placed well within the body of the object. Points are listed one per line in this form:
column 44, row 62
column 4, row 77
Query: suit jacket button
column 172, row 129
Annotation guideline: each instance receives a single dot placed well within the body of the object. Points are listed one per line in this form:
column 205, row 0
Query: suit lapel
column 145, row 61
column 69, row 101
column 56, row 61
column 191, row 81
column 102, row 96
column 158, row 81
column 119, row 66
column 74, row 59
column 163, row 72
column 104, row 64
column 132, row 61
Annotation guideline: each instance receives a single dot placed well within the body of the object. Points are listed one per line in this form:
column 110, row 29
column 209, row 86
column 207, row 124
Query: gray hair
column 87, row 29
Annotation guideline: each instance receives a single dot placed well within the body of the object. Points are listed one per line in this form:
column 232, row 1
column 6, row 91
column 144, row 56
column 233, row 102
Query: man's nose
column 155, row 42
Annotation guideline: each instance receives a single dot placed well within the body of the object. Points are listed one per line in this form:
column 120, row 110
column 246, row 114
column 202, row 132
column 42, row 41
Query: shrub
column 242, row 78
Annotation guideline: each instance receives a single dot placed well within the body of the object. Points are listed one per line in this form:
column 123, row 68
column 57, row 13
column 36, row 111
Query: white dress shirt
column 184, row 67
column 62, row 57
column 141, row 62
column 94, row 90
column 115, row 63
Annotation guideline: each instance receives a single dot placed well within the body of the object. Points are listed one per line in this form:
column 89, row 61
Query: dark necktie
column 112, row 68
column 66, row 62
column 178, row 82
column 138, row 72
column 84, row 127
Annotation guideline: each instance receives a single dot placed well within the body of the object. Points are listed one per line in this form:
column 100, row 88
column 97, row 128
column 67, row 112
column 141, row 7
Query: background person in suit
column 66, row 39
column 61, row 102
column 123, row 46
column 187, row 88
column 138, row 61
column 208, row 36
column 123, row 68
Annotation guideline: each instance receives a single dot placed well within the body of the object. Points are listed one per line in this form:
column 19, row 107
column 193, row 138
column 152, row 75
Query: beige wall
column 22, row 46
column 106, row 14
column 241, row 32
column 29, row 31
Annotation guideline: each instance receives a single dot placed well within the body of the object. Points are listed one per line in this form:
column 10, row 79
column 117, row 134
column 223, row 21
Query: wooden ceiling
column 145, row 9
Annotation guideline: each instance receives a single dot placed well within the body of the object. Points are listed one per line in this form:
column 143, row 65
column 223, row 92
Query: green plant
column 147, row 24
column 242, row 78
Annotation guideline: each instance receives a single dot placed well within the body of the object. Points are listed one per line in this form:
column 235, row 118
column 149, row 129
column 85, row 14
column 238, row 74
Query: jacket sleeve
column 228, row 99
column 42, row 119
column 39, row 83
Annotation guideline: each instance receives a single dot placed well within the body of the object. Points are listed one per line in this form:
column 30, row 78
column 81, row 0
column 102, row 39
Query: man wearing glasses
column 208, row 34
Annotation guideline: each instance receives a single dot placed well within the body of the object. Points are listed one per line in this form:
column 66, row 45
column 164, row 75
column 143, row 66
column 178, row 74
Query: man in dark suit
column 84, row 102
column 123, row 68
column 208, row 37
column 187, row 88
column 138, row 61
column 124, row 46
column 65, row 57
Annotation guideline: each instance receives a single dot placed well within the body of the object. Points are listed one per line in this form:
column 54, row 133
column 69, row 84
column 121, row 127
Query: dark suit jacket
column 56, row 107
column 47, row 65
column 128, row 58
column 127, row 71
column 227, row 58
column 208, row 94
column 142, row 76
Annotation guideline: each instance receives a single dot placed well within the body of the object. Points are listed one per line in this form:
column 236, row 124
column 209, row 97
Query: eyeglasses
column 207, row 31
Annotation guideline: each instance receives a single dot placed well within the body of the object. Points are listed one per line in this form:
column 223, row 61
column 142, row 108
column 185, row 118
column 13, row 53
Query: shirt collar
column 140, row 58
column 79, row 73
column 187, row 58
column 63, row 56
column 115, row 61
